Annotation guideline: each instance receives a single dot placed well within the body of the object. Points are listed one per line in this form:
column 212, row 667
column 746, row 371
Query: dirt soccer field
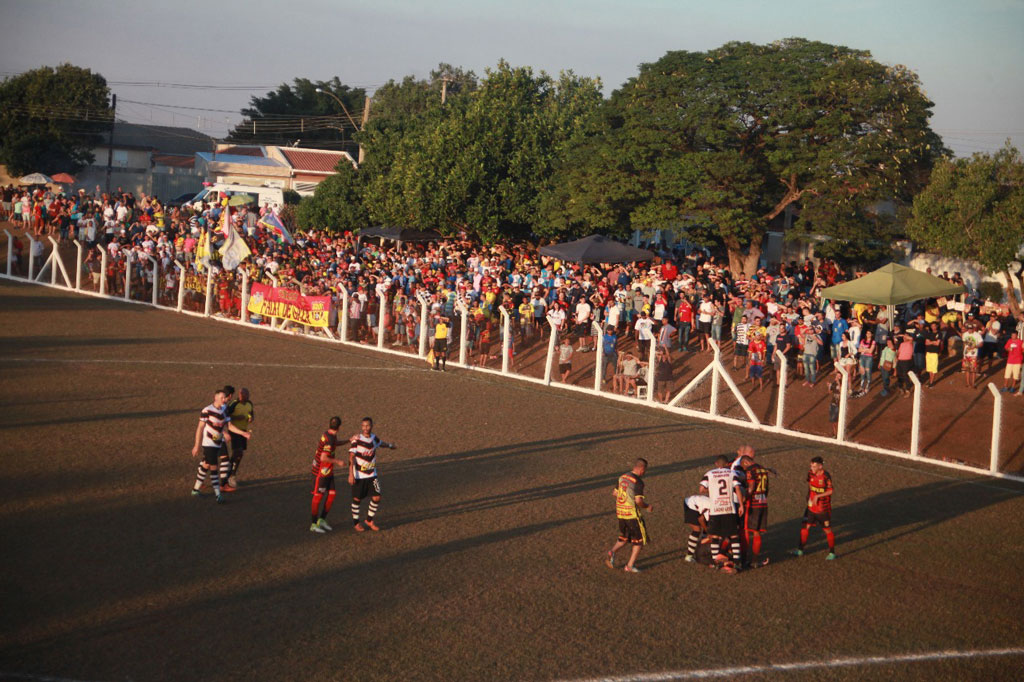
column 496, row 511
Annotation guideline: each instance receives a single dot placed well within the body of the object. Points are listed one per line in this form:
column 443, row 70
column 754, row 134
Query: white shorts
column 1012, row 372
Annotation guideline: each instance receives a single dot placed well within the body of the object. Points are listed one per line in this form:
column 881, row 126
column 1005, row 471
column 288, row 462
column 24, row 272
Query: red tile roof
column 174, row 160
column 312, row 161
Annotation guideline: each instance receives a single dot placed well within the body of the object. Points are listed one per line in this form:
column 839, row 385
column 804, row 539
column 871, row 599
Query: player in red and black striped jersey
column 757, row 506
column 323, row 476
column 819, row 507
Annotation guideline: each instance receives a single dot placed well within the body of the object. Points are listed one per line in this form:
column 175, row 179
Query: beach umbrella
column 35, row 179
column 63, row 178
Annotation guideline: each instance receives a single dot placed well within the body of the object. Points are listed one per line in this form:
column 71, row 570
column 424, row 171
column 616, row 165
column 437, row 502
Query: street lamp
column 340, row 103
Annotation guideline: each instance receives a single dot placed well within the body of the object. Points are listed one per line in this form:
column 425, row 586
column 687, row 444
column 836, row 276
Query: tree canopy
column 298, row 112
column 974, row 209
column 51, row 118
column 722, row 142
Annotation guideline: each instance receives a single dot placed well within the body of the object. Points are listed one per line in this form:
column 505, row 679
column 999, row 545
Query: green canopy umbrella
column 892, row 284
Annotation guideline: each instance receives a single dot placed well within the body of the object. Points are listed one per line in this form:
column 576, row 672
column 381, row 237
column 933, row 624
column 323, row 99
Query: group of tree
column 52, row 118
column 719, row 145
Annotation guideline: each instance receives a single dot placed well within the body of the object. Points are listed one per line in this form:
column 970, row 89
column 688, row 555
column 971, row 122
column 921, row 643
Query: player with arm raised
column 210, row 434
column 725, row 492
column 819, row 507
column 362, row 473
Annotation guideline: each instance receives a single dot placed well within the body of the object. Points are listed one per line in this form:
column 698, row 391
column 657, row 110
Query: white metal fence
column 60, row 277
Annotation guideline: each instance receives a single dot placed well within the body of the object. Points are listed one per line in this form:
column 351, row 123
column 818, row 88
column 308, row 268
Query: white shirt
column 643, row 327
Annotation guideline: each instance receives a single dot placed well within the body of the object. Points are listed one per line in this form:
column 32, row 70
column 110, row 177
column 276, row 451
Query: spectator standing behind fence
column 866, row 355
column 812, row 342
column 887, row 363
column 835, row 394
column 904, row 362
column 565, row 352
column 932, row 346
column 972, row 340
column 1014, row 348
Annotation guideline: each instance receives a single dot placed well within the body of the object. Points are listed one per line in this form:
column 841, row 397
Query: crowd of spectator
column 681, row 301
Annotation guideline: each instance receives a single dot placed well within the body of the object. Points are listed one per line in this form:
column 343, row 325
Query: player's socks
column 200, row 478
column 691, row 543
column 755, row 544
column 235, row 462
column 803, row 537
column 215, row 481
column 317, row 496
column 734, row 549
column 329, row 502
column 224, row 469
column 831, row 537
column 372, row 511
column 355, row 512
column 716, row 547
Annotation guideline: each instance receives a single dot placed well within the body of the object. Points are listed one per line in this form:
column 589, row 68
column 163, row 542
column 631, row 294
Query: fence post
column 31, row 257
column 915, row 421
column 424, row 299
column 52, row 261
column 243, row 310
column 506, row 338
column 651, row 362
column 103, row 270
column 209, row 290
column 599, row 360
column 343, row 333
column 382, row 305
column 716, row 378
column 10, row 252
column 553, row 332
column 78, row 265
column 463, row 309
column 997, row 419
column 843, row 402
column 181, row 284
column 127, row 273
column 156, row 279
column 780, row 406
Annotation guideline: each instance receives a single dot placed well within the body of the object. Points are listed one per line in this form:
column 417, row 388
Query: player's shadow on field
column 12, row 344
column 552, row 445
column 113, row 416
column 891, row 517
column 35, row 304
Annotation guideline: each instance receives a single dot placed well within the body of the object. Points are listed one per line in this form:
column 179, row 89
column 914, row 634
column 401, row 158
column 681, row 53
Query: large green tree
column 722, row 142
column 297, row 112
column 974, row 209
column 337, row 203
column 481, row 162
column 51, row 118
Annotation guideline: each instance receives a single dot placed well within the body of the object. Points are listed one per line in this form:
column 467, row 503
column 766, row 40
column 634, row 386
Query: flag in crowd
column 276, row 228
column 234, row 249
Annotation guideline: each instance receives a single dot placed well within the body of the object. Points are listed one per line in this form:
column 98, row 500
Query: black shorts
column 440, row 345
column 833, row 413
column 704, row 327
column 757, row 519
column 211, row 455
column 823, row 519
column 741, row 350
column 724, row 525
column 691, row 517
column 238, row 443
column 633, row 531
column 322, row 484
column 564, row 368
column 582, row 330
column 366, row 487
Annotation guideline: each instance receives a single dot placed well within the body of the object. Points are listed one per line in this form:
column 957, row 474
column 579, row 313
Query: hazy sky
column 968, row 53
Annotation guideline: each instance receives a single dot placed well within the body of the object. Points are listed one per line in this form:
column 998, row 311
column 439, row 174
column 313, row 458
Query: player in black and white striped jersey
column 362, row 473
column 213, row 422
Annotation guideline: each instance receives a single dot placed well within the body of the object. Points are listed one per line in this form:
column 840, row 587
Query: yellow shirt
column 441, row 331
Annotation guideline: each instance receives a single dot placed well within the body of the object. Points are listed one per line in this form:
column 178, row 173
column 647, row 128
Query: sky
column 968, row 53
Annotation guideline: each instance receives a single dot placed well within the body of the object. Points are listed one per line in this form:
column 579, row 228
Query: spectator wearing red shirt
column 669, row 271
column 1014, row 358
column 684, row 322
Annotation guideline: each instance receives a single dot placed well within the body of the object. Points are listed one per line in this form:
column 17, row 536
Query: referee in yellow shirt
column 441, row 344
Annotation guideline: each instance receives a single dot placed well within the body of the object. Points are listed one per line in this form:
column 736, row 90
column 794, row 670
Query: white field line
column 852, row 662
column 201, row 363
column 687, row 412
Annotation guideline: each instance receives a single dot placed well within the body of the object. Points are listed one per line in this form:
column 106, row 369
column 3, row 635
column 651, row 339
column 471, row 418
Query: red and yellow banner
column 267, row 301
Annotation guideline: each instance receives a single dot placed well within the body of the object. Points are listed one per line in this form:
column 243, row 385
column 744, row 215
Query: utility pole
column 362, row 126
column 110, row 146
column 444, row 89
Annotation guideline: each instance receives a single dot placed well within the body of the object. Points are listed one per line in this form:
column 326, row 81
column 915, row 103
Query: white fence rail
column 716, row 369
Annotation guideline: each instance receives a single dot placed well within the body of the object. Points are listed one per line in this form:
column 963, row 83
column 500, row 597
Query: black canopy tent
column 596, row 249
column 399, row 234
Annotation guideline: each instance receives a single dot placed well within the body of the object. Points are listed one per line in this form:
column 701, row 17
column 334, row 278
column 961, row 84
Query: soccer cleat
column 762, row 563
column 631, row 569
column 689, row 558
column 220, row 499
column 315, row 528
column 227, row 488
column 323, row 524
column 371, row 525
column 831, row 556
column 232, row 481
column 358, row 527
column 720, row 558
column 609, row 560
column 195, row 493
column 796, row 552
